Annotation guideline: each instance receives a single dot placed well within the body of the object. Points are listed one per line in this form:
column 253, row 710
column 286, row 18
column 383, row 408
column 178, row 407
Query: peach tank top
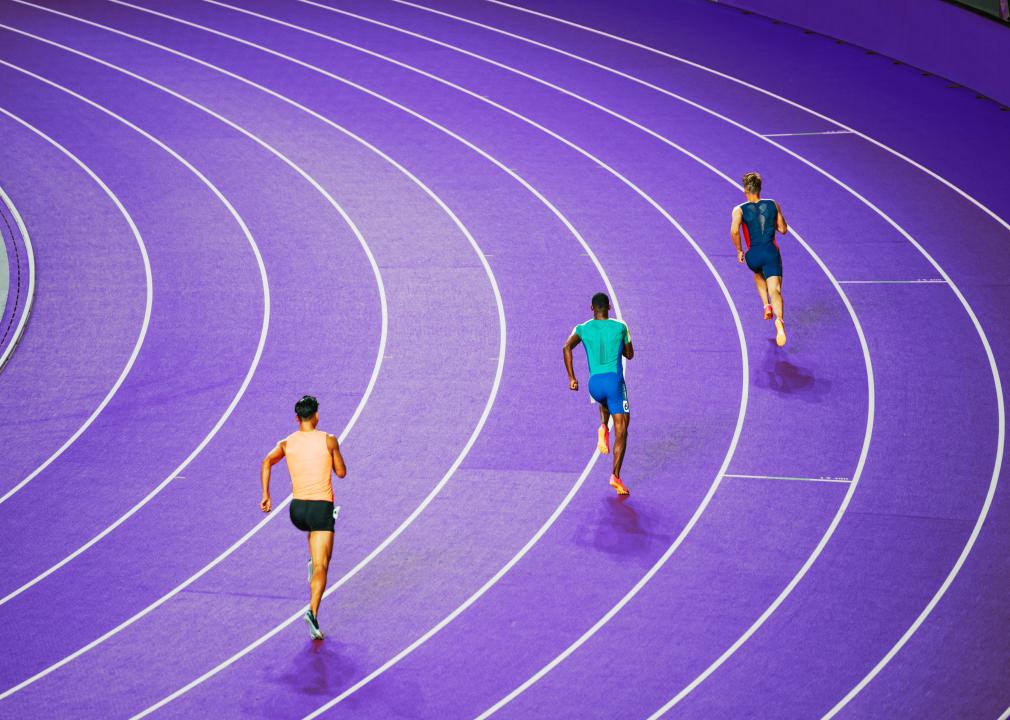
column 309, row 464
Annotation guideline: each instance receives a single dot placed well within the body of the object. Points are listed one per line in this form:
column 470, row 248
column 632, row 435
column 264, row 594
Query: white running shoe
column 313, row 623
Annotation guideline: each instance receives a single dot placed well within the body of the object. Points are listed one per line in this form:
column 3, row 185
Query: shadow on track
column 622, row 530
column 322, row 668
column 778, row 374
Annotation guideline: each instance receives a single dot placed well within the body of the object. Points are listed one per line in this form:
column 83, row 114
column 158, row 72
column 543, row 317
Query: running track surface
column 404, row 212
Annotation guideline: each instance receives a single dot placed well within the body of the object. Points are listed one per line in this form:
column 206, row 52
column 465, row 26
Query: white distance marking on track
column 786, row 477
column 799, row 134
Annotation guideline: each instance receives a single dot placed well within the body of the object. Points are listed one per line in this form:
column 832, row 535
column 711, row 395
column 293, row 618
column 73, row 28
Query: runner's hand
column 265, row 504
column 573, row 384
column 739, row 256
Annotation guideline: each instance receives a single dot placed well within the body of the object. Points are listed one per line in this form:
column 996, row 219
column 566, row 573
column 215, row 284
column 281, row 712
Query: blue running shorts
column 609, row 389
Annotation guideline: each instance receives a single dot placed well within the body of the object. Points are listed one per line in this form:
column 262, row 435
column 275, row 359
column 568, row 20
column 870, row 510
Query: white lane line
column 923, row 281
column 787, row 477
column 491, row 582
column 252, row 367
column 800, row 134
column 1005, row 715
column 738, row 428
column 30, row 292
column 262, row 523
column 297, row 616
column 145, row 323
column 525, row 184
column 725, row 76
column 350, row 424
column 870, row 385
column 983, row 513
column 1001, row 434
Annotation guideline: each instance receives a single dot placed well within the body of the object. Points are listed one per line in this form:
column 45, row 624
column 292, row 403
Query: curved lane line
column 350, row 424
column 30, row 293
column 149, row 300
column 249, row 374
column 1001, row 433
column 987, row 503
column 757, row 88
column 361, row 405
column 693, row 520
column 508, row 171
column 308, row 178
column 1001, row 413
column 708, row 497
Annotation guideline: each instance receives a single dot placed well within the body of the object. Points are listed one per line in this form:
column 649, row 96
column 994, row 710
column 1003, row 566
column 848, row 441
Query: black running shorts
column 312, row 515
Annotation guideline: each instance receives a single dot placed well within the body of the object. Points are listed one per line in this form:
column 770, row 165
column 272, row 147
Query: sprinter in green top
column 607, row 340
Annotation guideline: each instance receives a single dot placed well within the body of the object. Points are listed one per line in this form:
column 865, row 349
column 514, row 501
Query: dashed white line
column 26, row 312
column 256, row 356
column 144, row 324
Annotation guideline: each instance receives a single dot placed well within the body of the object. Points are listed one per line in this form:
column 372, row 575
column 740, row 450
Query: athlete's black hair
column 306, row 407
column 601, row 301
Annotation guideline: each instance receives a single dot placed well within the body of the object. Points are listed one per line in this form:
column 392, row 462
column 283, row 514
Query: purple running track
column 842, row 551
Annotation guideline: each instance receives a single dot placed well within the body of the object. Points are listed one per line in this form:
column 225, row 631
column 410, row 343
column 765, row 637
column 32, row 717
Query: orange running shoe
column 603, row 439
column 769, row 312
column 780, row 332
column 620, row 487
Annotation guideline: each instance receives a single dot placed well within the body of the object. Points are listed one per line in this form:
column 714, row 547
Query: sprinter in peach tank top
column 312, row 455
column 310, row 464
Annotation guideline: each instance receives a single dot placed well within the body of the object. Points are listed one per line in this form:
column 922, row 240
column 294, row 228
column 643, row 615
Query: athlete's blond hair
column 752, row 183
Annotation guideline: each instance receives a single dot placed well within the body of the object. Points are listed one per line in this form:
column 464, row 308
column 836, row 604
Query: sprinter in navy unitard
column 759, row 219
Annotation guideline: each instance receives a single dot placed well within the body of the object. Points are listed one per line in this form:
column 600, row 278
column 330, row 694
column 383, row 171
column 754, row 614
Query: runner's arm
column 570, row 344
column 273, row 457
column 780, row 221
column 628, row 350
column 338, row 460
column 734, row 232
